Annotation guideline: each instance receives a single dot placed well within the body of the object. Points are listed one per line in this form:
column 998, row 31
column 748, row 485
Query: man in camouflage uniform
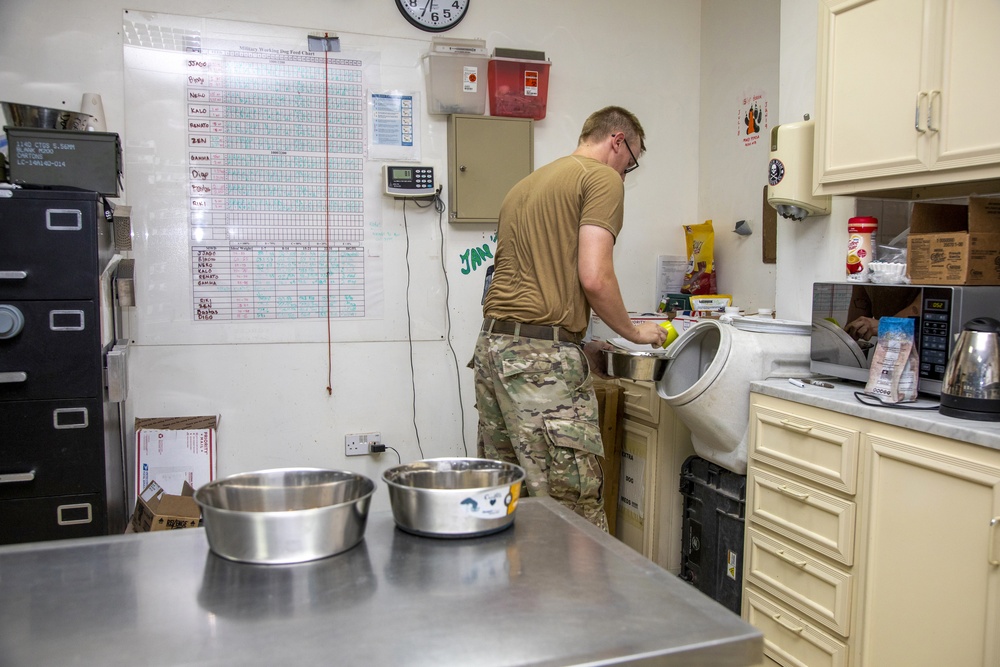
column 553, row 263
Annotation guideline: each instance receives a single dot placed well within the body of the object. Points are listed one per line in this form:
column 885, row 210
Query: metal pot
column 27, row 115
column 285, row 515
column 454, row 497
column 629, row 365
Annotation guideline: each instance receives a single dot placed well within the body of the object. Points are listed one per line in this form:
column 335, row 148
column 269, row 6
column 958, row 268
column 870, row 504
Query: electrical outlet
column 357, row 444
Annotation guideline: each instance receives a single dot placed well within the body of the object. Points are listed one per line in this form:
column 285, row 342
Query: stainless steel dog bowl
column 647, row 366
column 27, row 115
column 454, row 497
column 285, row 515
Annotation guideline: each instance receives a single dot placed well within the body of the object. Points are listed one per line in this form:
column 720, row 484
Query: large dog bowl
column 27, row 115
column 630, row 365
column 285, row 515
column 454, row 497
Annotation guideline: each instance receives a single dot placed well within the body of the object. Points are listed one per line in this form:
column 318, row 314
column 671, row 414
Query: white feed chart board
column 261, row 146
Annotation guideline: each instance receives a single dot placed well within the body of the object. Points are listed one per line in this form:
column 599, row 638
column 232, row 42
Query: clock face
column 433, row 15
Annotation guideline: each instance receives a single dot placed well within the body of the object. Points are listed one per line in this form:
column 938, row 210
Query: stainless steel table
column 551, row 590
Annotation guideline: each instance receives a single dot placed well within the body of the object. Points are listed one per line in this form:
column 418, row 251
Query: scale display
column 409, row 180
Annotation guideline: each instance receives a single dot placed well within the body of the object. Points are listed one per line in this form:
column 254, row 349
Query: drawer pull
column 786, row 624
column 14, row 477
column 13, row 275
column 994, row 522
column 632, row 394
column 13, row 376
column 792, row 426
column 794, row 494
column 788, row 559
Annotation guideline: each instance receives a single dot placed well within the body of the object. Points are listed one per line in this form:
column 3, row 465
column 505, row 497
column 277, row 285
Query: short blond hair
column 610, row 120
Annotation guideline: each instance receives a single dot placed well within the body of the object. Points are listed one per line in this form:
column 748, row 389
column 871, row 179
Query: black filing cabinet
column 60, row 436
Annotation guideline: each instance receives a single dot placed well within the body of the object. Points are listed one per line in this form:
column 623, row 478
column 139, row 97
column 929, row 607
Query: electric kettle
column 971, row 385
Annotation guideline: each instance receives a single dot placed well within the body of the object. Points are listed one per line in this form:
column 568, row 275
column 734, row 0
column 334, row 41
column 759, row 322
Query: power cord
column 440, row 207
column 871, row 399
column 378, row 448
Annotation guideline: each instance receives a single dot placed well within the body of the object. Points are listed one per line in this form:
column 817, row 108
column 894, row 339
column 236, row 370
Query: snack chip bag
column 700, row 275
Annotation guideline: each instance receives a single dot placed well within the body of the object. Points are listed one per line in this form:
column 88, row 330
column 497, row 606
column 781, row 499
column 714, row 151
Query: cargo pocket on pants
column 575, row 477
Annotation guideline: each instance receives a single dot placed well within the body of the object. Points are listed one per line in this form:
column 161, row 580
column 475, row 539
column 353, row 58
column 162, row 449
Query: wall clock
column 433, row 15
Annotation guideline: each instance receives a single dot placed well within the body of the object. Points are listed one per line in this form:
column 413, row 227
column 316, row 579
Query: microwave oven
column 845, row 324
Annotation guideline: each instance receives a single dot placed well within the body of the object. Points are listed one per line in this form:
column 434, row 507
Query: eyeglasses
column 635, row 162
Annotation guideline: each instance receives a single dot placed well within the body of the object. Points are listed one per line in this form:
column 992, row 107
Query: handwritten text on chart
column 275, row 145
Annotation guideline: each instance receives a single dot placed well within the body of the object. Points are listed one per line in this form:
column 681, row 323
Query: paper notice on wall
column 670, row 270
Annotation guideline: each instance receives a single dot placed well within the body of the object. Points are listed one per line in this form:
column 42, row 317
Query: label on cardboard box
column 175, row 450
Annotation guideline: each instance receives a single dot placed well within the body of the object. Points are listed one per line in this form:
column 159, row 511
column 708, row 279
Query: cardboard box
column 157, row 510
column 598, row 330
column 952, row 244
column 175, row 450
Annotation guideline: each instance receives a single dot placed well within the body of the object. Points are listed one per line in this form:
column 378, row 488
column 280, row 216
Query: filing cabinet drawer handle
column 13, row 376
column 788, row 559
column 792, row 426
column 13, row 275
column 794, row 494
column 786, row 624
column 15, row 477
column 993, row 558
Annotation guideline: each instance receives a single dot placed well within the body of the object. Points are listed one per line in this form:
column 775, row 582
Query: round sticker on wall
column 775, row 172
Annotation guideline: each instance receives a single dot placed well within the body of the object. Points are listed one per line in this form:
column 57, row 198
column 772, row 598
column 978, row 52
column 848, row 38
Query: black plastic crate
column 712, row 539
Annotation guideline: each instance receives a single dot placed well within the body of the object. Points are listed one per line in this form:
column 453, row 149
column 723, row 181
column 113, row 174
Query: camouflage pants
column 537, row 408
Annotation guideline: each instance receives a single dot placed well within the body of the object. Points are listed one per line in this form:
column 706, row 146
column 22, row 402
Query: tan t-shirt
column 536, row 280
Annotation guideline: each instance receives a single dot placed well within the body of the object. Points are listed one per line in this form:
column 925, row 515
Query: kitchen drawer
column 56, row 447
column 641, row 401
column 49, row 247
column 800, row 442
column 803, row 513
column 790, row 639
column 57, row 353
column 820, row 591
column 52, row 518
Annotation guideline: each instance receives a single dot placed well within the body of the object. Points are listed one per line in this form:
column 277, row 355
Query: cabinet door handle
column 792, row 426
column 788, row 559
column 11, row 478
column 790, row 626
column 992, row 557
column 794, row 494
column 13, row 275
column 934, row 95
column 921, row 96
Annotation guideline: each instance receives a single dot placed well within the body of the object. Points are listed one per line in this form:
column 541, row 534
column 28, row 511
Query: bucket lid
column 768, row 325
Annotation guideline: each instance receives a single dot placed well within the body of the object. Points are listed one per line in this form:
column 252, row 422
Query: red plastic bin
column 518, row 88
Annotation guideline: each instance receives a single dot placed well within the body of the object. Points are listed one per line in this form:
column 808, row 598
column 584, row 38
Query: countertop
column 842, row 399
column 551, row 590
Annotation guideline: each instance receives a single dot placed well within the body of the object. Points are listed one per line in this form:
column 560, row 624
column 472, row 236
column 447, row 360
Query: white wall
column 739, row 61
column 812, row 249
column 642, row 54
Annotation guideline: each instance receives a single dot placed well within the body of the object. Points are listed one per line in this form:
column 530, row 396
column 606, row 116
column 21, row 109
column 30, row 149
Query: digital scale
column 409, row 181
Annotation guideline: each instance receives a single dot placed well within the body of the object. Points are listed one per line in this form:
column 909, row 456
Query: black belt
column 555, row 334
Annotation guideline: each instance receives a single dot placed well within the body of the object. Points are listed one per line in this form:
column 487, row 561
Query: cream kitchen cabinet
column 869, row 544
column 906, row 94
column 655, row 445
